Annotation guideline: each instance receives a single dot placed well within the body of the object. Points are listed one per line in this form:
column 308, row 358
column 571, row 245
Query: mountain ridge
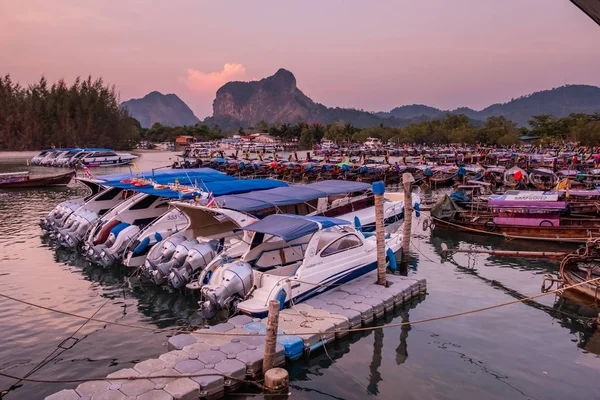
column 155, row 107
column 277, row 99
column 560, row 102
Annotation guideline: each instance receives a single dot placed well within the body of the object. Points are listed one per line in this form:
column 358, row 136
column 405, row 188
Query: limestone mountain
column 166, row 109
column 278, row 99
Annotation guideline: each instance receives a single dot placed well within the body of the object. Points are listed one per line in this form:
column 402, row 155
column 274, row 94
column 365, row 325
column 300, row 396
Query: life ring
column 546, row 222
column 489, row 226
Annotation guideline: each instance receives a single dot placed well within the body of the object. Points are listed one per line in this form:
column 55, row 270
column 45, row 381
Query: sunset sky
column 372, row 55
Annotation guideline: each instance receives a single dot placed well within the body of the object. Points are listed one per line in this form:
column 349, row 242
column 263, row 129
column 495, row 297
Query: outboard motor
column 235, row 285
column 59, row 214
column 162, row 252
column 109, row 255
column 162, row 271
column 72, row 236
column 198, row 257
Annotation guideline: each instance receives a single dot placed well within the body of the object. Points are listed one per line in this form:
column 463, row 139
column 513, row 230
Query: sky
column 371, row 55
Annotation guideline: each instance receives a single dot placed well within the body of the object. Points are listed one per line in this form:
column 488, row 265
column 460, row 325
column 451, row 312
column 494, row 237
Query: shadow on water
column 164, row 308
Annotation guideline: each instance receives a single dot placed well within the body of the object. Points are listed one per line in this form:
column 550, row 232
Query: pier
column 209, row 363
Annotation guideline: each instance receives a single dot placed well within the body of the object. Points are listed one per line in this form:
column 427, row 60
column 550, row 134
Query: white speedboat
column 291, row 259
column 106, row 158
column 350, row 201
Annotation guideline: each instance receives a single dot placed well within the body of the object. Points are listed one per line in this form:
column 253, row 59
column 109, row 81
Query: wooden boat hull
column 572, row 234
column 572, row 277
column 54, row 180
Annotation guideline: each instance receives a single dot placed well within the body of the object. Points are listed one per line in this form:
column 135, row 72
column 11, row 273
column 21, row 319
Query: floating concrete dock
column 233, row 351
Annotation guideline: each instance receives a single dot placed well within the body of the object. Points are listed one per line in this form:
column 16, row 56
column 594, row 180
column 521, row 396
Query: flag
column 87, row 171
column 211, row 200
column 135, row 167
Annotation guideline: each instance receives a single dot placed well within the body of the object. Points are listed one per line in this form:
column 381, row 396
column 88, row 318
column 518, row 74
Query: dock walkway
column 233, row 351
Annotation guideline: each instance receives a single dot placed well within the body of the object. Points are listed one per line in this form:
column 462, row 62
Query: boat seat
column 284, row 256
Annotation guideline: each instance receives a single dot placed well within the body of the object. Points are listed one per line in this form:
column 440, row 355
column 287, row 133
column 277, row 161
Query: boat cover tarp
column 218, row 188
column 290, row 227
column 161, row 173
column 289, row 195
column 445, row 209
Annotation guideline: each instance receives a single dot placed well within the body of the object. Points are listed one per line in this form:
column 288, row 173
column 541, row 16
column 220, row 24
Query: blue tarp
column 289, row 195
column 290, row 227
column 216, row 187
column 161, row 173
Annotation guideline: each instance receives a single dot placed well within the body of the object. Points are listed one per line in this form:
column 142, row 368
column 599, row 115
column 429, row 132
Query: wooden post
column 378, row 191
column 407, row 181
column 271, row 335
column 277, row 381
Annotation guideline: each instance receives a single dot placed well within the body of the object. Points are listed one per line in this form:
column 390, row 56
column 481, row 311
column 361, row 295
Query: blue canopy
column 289, row 195
column 163, row 172
column 290, row 227
column 218, row 188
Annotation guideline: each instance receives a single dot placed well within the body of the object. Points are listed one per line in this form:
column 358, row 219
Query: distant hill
column 166, row 109
column 560, row 102
column 278, row 99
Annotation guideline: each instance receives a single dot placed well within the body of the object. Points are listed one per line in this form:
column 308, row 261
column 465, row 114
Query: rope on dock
column 362, row 329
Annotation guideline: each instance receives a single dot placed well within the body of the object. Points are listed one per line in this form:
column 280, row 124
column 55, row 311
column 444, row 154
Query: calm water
column 538, row 350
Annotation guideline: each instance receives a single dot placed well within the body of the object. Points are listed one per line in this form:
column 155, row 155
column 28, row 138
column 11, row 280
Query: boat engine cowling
column 162, row 270
column 198, row 257
column 162, row 252
column 236, row 282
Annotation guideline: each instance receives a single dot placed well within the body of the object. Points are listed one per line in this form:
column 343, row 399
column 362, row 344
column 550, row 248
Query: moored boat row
column 188, row 228
column 74, row 157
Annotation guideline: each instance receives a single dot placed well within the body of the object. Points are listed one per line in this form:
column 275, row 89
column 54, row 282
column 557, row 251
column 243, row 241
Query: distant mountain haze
column 559, row 102
column 277, row 99
column 166, row 109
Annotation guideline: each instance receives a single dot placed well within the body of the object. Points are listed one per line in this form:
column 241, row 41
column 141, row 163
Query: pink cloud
column 208, row 83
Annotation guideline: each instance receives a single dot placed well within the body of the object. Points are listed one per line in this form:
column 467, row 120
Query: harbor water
column 542, row 349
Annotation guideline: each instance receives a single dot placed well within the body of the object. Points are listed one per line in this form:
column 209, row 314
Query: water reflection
column 321, row 360
column 164, row 308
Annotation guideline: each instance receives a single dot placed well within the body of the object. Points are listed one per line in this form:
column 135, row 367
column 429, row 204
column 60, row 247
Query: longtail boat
column 519, row 215
column 21, row 180
column 581, row 268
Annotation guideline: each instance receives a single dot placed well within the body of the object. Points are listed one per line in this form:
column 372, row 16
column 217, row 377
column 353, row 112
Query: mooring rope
column 361, row 329
column 130, row 378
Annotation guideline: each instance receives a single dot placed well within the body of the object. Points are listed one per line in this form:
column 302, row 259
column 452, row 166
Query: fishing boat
column 291, row 259
column 443, row 176
column 22, row 180
column 542, row 178
column 515, row 176
column 579, row 268
column 531, row 215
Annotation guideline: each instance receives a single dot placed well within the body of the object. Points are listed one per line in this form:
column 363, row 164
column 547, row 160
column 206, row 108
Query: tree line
column 495, row 131
column 88, row 114
column 84, row 114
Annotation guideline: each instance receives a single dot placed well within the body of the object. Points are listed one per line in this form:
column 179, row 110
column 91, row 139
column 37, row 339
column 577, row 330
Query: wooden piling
column 378, row 191
column 407, row 181
column 271, row 335
column 277, row 381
